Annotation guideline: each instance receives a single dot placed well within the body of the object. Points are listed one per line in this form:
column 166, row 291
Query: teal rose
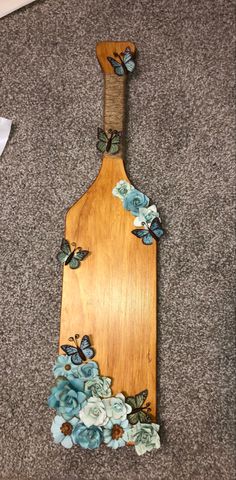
column 68, row 397
column 86, row 371
column 99, row 387
column 135, row 200
column 87, row 437
column 145, row 437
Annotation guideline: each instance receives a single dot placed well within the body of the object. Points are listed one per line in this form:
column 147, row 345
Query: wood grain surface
column 112, row 296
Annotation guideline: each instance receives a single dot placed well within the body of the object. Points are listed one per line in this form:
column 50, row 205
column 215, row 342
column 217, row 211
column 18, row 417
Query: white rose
column 116, row 407
column 121, row 189
column 146, row 215
column 94, row 413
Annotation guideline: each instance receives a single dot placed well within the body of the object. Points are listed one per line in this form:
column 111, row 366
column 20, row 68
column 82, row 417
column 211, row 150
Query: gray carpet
column 180, row 153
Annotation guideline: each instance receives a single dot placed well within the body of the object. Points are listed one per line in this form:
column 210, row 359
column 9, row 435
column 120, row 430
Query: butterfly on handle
column 79, row 353
column 71, row 257
column 126, row 64
column 150, row 233
column 108, row 142
column 140, row 412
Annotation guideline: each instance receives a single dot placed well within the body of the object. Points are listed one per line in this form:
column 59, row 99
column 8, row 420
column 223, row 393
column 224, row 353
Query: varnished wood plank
column 112, row 296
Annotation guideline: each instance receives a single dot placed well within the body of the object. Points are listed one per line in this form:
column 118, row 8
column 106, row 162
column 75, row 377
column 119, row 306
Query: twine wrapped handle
column 114, row 87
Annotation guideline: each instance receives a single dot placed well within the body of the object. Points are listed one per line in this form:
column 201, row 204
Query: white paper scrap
column 8, row 6
column 5, row 128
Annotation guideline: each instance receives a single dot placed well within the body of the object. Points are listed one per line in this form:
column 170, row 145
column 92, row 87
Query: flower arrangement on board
column 146, row 215
column 88, row 414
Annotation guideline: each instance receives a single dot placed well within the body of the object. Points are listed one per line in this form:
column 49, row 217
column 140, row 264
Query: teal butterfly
column 79, row 353
column 126, row 64
column 151, row 233
column 70, row 257
column 140, row 412
column 108, row 142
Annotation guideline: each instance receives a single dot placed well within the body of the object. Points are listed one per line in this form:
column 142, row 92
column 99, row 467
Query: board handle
column 114, row 87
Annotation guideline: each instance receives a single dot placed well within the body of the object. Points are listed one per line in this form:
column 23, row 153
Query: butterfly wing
column 144, row 235
column 140, row 398
column 81, row 254
column 148, row 239
column 115, row 143
column 69, row 349
column 76, row 358
column 128, row 60
column 62, row 257
column 85, row 342
column 156, row 227
column 65, row 246
column 118, row 68
column 133, row 418
column 114, row 148
column 116, row 137
column 131, row 401
column 86, row 348
column 64, row 252
column 137, row 402
column 102, row 135
column 102, row 140
column 144, row 417
column 74, row 263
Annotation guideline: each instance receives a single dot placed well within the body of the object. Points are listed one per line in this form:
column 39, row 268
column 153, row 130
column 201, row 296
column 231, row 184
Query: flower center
column 117, row 432
column 96, row 411
column 66, row 428
column 67, row 367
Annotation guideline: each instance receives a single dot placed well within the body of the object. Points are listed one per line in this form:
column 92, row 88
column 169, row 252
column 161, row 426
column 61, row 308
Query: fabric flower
column 67, row 397
column 122, row 188
column 116, row 407
column 62, row 430
column 145, row 437
column 99, row 387
column 135, row 200
column 87, row 437
column 146, row 215
column 115, row 433
column 93, row 413
column 89, row 370
column 64, row 367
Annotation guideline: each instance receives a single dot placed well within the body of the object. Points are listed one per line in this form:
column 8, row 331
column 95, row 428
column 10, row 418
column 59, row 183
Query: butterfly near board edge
column 71, row 257
column 150, row 233
column 108, row 142
column 126, row 63
column 79, row 353
column 140, row 412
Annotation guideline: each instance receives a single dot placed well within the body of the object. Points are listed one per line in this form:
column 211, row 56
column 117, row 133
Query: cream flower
column 94, row 413
column 146, row 215
column 116, row 407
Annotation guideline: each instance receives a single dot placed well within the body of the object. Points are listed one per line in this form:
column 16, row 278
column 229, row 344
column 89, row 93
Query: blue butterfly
column 78, row 353
column 70, row 257
column 153, row 232
column 127, row 62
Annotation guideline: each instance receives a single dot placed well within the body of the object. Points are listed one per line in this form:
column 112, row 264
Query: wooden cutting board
column 112, row 296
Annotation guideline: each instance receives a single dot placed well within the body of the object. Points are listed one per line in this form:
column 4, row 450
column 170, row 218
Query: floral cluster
column 88, row 415
column 137, row 203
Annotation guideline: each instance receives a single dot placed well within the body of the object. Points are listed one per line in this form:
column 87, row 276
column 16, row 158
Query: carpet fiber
column 181, row 154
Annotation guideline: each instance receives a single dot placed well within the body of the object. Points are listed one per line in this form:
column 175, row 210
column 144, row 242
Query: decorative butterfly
column 109, row 142
column 140, row 413
column 150, row 233
column 78, row 353
column 127, row 62
column 71, row 257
